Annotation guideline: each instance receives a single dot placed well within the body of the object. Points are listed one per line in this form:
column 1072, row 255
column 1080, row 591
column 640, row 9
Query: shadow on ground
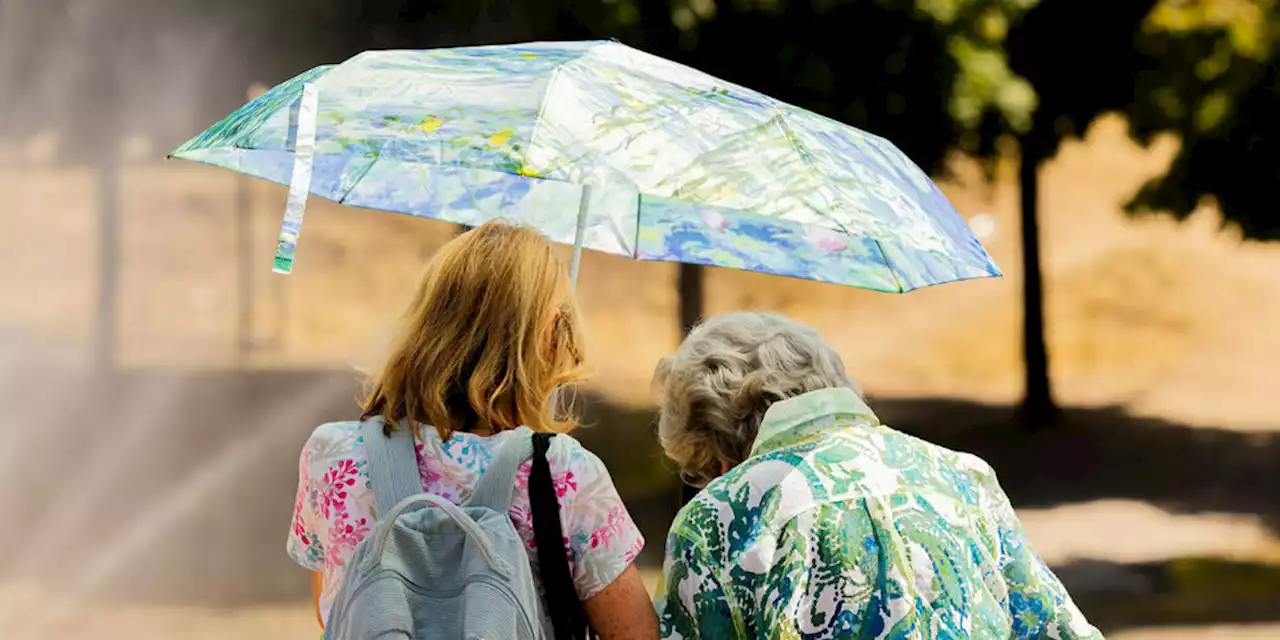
column 177, row 486
column 1185, row 591
column 1106, row 453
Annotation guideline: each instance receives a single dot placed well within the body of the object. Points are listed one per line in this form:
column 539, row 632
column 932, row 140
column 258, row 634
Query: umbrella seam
column 537, row 126
column 635, row 246
column 727, row 139
column 542, row 104
column 773, row 103
column 377, row 155
column 889, row 266
column 788, row 133
column 683, row 87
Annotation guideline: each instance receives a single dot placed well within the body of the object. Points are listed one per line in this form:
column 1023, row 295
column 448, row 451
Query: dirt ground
column 1164, row 332
column 279, row 622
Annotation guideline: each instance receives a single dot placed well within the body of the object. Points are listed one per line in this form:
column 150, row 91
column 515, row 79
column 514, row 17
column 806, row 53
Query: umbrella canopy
column 607, row 147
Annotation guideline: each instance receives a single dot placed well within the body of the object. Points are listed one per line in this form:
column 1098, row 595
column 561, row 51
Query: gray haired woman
column 817, row 521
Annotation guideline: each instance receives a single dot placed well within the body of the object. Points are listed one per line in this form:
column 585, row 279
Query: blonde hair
column 490, row 335
column 717, row 386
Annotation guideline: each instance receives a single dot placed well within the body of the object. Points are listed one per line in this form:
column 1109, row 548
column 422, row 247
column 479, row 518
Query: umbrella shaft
column 578, row 235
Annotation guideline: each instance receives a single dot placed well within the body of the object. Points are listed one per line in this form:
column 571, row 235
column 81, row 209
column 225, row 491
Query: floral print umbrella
column 606, row 147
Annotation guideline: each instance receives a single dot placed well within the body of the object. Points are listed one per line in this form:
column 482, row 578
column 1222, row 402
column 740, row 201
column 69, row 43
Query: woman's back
column 846, row 528
column 489, row 337
column 335, row 508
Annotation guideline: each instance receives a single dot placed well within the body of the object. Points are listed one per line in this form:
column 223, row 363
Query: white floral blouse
column 335, row 508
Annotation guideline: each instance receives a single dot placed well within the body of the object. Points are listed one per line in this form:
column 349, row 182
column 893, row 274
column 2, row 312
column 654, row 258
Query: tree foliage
column 922, row 73
column 1202, row 70
column 1211, row 79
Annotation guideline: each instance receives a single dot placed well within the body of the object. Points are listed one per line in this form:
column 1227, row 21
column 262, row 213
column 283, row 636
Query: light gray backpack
column 430, row 569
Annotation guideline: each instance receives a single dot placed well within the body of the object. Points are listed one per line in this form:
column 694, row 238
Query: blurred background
column 1118, row 158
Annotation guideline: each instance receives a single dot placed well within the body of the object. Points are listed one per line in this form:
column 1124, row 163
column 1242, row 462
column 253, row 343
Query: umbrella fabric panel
column 372, row 128
column 617, row 115
column 676, row 231
column 263, row 123
column 470, row 196
column 332, row 175
column 440, row 107
column 452, row 194
column 874, row 190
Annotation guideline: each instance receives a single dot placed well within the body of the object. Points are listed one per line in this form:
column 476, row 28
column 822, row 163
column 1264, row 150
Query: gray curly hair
column 717, row 386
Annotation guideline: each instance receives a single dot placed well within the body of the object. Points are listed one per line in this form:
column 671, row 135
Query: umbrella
column 608, row 148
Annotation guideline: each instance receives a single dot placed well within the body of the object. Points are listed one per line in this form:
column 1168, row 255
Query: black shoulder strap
column 563, row 605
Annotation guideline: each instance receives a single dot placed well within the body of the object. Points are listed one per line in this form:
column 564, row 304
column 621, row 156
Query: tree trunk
column 689, row 280
column 1038, row 409
column 689, row 287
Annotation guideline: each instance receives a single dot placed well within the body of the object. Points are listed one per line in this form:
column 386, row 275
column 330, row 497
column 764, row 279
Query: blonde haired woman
column 491, row 334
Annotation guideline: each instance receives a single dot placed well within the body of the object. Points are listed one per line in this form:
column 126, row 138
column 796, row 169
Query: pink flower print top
column 335, row 507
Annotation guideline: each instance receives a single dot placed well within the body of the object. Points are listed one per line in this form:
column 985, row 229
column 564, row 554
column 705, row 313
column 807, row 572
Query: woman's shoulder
column 955, row 459
column 566, row 450
column 577, row 466
column 334, row 440
column 329, row 432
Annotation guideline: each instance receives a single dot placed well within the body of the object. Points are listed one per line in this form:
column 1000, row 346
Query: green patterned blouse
column 840, row 527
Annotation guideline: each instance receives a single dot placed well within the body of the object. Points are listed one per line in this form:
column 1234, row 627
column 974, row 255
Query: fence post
column 107, row 318
column 244, row 270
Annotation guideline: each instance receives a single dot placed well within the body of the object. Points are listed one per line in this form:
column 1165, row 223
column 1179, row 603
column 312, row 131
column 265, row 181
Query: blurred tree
column 1079, row 56
column 1212, row 78
column 1205, row 70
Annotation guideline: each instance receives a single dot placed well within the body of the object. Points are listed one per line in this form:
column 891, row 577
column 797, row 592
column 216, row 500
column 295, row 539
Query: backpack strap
column 562, row 602
column 393, row 463
column 496, row 486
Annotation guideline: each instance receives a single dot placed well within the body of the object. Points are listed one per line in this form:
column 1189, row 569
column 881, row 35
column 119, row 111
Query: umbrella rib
column 542, row 108
column 542, row 104
column 724, row 142
column 889, row 266
column 789, row 134
column 712, row 80
column 780, row 118
column 780, row 121
column 377, row 155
